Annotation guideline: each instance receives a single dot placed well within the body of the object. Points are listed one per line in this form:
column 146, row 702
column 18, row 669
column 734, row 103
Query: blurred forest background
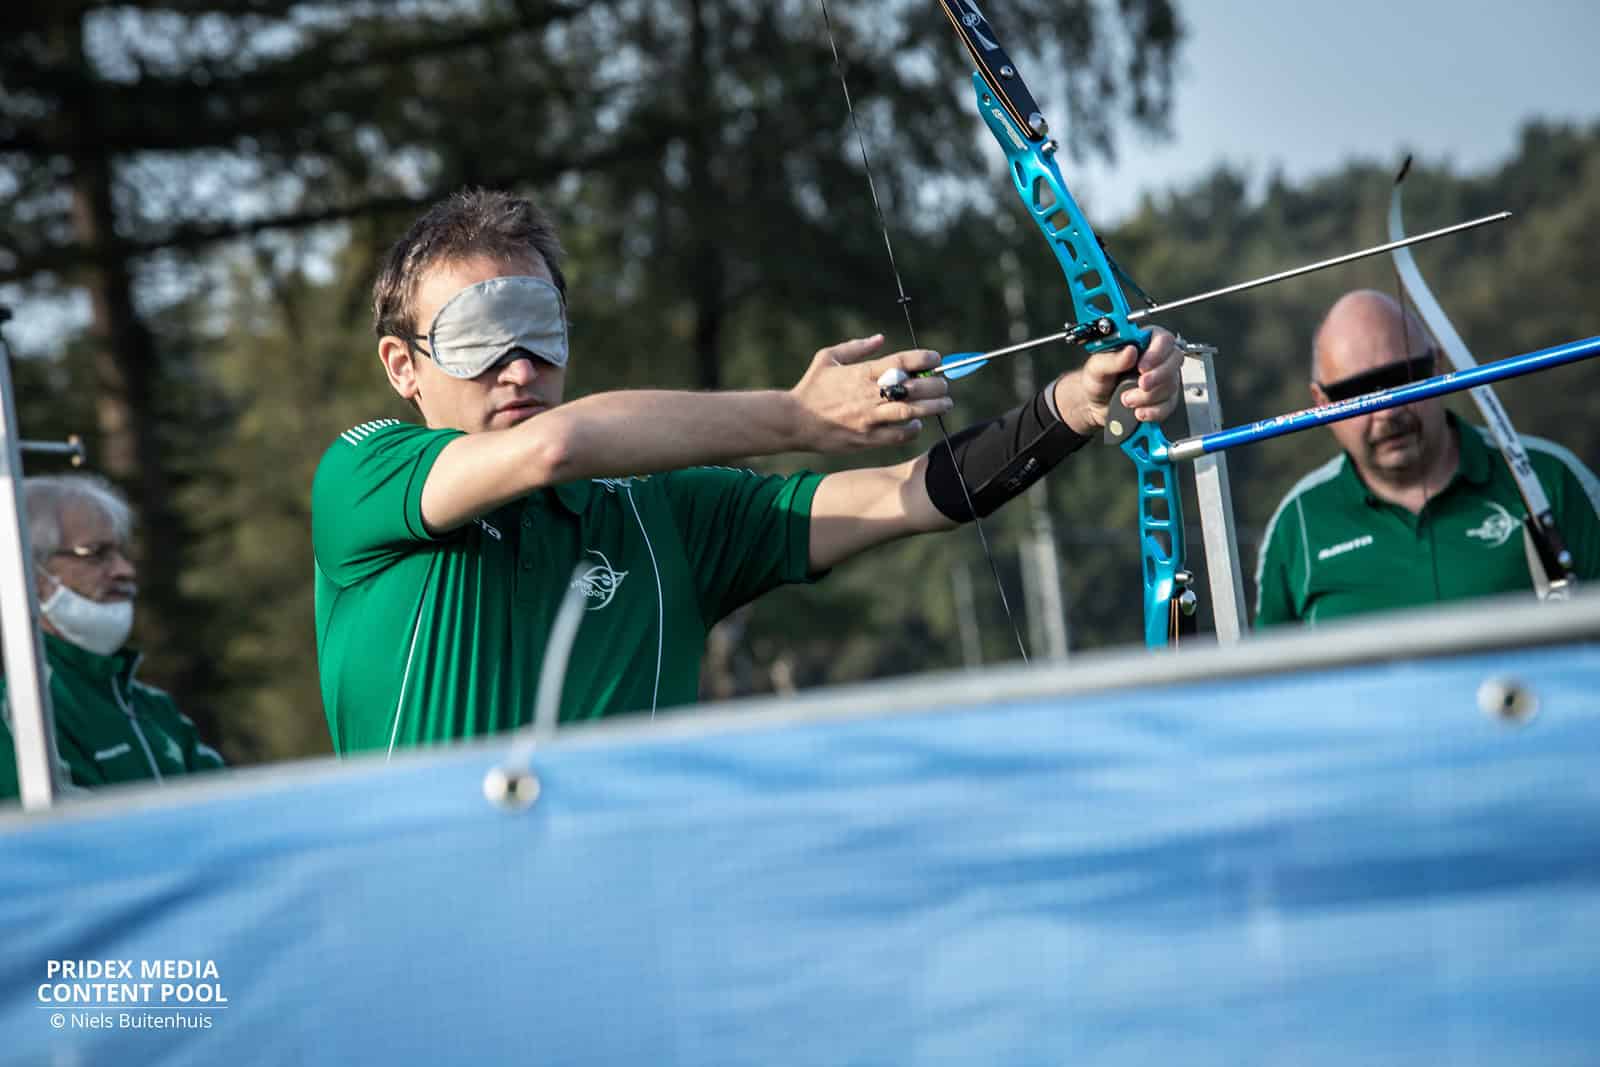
column 198, row 193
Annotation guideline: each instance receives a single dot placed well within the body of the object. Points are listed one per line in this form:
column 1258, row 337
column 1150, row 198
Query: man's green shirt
column 423, row 638
column 109, row 727
column 1333, row 548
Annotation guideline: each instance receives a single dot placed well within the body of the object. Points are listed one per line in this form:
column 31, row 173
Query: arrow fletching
column 960, row 364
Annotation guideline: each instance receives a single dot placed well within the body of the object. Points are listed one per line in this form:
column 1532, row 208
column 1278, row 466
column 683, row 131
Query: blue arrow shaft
column 1454, row 382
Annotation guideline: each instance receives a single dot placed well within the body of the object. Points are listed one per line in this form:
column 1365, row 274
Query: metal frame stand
column 1216, row 497
column 28, row 698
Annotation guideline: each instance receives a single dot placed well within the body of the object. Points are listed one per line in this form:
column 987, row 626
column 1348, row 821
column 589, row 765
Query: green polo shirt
column 1333, row 548
column 110, row 727
column 423, row 639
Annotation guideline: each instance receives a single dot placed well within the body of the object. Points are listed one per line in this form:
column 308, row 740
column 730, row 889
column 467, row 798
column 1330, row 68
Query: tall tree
column 134, row 136
column 765, row 184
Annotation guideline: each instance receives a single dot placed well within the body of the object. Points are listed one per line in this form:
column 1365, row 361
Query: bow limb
column 1100, row 309
column 1549, row 561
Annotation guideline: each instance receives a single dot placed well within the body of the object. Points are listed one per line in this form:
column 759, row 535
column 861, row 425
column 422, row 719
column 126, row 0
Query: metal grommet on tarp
column 1508, row 699
column 511, row 788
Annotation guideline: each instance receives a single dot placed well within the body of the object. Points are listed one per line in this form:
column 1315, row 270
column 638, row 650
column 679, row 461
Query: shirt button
column 527, row 564
column 527, row 523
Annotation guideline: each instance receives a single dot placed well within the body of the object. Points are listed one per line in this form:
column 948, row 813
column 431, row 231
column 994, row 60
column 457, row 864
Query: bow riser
column 1101, row 312
column 1097, row 301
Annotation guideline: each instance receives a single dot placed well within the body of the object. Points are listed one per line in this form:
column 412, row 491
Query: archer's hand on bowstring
column 1083, row 396
column 843, row 408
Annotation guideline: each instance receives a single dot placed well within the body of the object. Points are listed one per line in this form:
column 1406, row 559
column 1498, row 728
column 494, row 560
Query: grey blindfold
column 486, row 323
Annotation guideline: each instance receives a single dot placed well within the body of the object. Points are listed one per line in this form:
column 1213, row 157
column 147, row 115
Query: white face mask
column 100, row 628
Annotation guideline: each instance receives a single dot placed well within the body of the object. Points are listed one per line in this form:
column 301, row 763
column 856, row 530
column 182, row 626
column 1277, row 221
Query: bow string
column 905, row 304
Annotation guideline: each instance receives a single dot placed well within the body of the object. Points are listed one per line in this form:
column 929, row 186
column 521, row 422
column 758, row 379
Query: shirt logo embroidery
column 600, row 582
column 113, row 752
column 489, row 529
column 1344, row 546
column 1497, row 529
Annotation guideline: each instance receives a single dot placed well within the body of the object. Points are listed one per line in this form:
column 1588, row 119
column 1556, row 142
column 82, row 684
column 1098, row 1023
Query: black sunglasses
column 1401, row 372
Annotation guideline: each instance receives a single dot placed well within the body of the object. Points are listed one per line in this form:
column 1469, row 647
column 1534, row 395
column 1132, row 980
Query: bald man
column 1419, row 506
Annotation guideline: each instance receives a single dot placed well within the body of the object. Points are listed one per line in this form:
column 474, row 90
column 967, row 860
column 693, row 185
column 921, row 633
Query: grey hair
column 48, row 497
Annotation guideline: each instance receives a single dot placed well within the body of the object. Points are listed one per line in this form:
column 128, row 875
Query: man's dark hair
column 472, row 222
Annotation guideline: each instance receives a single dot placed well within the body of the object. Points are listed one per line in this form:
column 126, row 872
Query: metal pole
column 32, row 723
column 971, row 647
column 72, row 448
column 1041, row 562
column 1215, row 496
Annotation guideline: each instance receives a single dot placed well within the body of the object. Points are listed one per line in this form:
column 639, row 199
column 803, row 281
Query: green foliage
column 711, row 196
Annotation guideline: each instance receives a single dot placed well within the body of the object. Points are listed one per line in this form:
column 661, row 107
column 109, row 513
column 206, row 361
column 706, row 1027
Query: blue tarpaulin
column 1339, row 866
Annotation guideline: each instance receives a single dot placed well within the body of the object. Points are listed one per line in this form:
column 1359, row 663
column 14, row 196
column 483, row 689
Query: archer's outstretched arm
column 835, row 407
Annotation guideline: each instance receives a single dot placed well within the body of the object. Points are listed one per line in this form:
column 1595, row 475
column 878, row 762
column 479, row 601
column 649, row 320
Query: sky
column 1304, row 86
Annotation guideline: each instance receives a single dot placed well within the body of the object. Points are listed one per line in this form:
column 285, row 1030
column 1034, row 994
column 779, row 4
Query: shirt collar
column 120, row 664
column 574, row 496
column 1474, row 463
column 1477, row 463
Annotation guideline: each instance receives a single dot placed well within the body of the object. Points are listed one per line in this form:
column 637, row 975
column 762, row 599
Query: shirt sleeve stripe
column 356, row 434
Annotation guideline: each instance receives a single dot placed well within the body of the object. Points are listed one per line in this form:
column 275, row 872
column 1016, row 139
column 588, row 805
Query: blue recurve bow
column 1100, row 311
column 1102, row 320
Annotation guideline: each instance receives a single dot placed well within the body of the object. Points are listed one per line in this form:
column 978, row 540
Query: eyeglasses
column 1400, row 372
column 96, row 552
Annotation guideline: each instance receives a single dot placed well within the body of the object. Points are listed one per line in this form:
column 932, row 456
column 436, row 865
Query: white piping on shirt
column 405, row 680
column 133, row 720
column 660, row 605
column 1327, row 472
column 1580, row 473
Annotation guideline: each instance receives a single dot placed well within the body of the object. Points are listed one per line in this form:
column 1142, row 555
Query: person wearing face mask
column 109, row 727
column 1420, row 505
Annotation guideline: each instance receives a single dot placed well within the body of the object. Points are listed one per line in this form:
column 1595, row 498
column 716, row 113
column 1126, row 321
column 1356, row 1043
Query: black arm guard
column 1000, row 458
